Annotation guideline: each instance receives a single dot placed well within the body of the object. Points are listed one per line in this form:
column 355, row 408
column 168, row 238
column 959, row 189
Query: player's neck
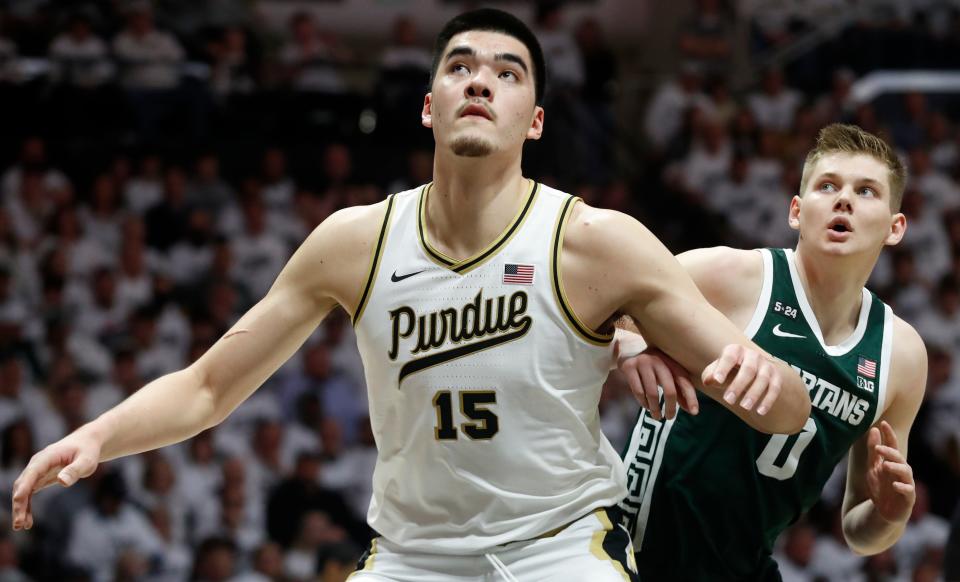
column 472, row 200
column 834, row 288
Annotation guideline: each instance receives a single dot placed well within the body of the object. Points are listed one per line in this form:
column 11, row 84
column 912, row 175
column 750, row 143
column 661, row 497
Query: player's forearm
column 867, row 532
column 168, row 410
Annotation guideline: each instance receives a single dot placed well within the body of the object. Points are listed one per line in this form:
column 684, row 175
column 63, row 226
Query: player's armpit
column 673, row 315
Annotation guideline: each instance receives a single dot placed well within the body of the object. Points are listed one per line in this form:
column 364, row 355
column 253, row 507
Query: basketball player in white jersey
column 482, row 305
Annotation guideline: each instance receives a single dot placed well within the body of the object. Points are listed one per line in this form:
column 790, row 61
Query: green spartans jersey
column 708, row 495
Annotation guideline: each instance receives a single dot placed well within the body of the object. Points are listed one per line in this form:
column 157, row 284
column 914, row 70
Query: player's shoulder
column 723, row 262
column 908, row 346
column 601, row 229
column 354, row 223
column 730, row 278
column 908, row 365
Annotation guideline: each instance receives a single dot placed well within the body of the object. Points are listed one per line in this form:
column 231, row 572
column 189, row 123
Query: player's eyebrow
column 465, row 51
column 861, row 179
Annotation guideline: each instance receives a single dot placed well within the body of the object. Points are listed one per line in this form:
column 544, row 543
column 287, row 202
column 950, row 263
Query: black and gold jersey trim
column 375, row 261
column 465, row 266
column 557, row 277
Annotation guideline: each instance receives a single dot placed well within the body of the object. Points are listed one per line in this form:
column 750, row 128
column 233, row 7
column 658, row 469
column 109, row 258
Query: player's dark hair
column 493, row 20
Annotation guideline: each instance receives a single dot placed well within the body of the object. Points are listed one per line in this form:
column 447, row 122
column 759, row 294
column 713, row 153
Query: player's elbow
column 207, row 409
column 862, row 541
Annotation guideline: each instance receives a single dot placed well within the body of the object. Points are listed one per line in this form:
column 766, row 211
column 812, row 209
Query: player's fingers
column 889, row 435
column 873, row 441
column 82, row 466
column 28, row 521
column 629, row 369
column 743, row 379
column 708, row 377
column 665, row 380
column 901, row 470
column 772, row 394
column 903, row 488
column 649, row 380
column 24, row 487
column 758, row 388
column 688, row 395
column 730, row 357
column 891, row 454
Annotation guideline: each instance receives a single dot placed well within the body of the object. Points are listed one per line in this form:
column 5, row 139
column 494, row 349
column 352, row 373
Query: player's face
column 483, row 99
column 846, row 206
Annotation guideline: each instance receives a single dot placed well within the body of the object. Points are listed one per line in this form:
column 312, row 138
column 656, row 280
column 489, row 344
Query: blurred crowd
column 161, row 161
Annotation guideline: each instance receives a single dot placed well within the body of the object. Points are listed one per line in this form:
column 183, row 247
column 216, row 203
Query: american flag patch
column 866, row 367
column 517, row 274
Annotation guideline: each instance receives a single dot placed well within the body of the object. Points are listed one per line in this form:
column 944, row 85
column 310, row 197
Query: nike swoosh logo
column 395, row 278
column 421, row 364
column 780, row 333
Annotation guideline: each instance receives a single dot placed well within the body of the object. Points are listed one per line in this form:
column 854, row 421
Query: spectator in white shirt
column 940, row 323
column 259, row 254
column 775, row 105
column 664, row 117
column 313, row 57
column 924, row 532
column 796, row 553
column 928, row 238
column 149, row 58
column 145, row 188
column 102, row 532
column 33, row 160
column 79, row 56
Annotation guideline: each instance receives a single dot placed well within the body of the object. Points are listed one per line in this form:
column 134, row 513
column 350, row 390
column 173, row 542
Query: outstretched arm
column 880, row 488
column 325, row 271
column 673, row 315
column 731, row 280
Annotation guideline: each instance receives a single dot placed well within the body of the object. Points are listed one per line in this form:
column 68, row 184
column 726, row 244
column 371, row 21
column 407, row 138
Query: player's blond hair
column 850, row 139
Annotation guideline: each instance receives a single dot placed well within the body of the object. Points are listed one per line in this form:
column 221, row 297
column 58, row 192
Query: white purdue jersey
column 483, row 386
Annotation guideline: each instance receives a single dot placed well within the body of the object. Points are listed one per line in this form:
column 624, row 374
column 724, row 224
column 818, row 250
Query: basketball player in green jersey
column 708, row 495
column 491, row 465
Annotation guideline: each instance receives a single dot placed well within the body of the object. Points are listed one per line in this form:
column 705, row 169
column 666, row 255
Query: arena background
column 160, row 162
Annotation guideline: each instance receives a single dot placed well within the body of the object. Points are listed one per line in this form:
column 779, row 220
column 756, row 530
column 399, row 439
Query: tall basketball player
column 708, row 495
column 482, row 305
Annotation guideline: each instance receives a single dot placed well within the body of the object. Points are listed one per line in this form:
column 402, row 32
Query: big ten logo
column 864, row 384
column 786, row 310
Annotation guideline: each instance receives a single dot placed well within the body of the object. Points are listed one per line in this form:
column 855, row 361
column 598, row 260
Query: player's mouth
column 476, row 110
column 839, row 229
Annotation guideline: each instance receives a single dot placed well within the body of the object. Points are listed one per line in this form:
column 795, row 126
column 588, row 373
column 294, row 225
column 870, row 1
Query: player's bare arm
column 674, row 315
column 880, row 488
column 327, row 270
column 731, row 280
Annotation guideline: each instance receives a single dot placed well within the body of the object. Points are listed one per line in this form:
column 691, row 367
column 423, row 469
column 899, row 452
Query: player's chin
column 472, row 145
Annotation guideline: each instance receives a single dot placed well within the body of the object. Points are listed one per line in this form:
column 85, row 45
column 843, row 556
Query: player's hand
column 652, row 368
column 65, row 462
column 756, row 382
column 889, row 477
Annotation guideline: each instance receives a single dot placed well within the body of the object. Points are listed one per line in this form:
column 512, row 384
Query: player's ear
column 794, row 219
column 898, row 227
column 426, row 116
column 536, row 124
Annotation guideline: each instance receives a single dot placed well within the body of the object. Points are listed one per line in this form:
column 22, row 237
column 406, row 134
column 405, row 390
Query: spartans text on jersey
column 833, row 399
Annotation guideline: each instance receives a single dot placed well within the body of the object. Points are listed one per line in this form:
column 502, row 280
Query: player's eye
column 828, row 187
